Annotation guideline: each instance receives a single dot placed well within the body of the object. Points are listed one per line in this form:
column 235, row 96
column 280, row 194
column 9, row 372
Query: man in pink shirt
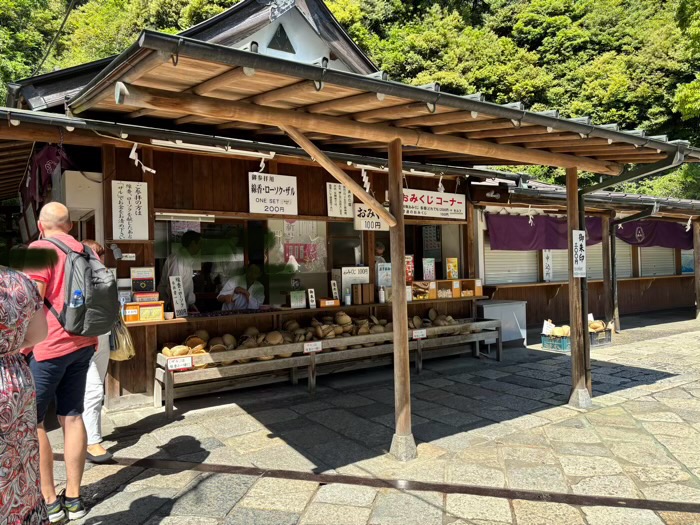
column 59, row 365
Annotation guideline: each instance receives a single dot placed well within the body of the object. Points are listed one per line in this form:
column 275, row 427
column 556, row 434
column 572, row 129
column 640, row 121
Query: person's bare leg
column 48, row 488
column 75, row 448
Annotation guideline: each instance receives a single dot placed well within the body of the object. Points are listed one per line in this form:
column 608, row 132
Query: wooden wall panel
column 163, row 183
column 636, row 296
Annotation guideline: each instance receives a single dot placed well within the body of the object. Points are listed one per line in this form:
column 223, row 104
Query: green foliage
column 684, row 183
column 633, row 62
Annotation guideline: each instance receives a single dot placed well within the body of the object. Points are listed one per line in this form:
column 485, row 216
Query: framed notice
column 366, row 219
column 384, row 274
column 434, row 204
column 339, row 200
column 547, row 267
column 177, row 292
column 579, row 253
column 272, row 194
column 129, row 210
column 353, row 275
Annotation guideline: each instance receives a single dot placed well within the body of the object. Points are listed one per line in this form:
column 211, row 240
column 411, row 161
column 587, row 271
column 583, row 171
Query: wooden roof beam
column 269, row 97
column 539, row 137
column 382, row 114
column 562, row 141
column 483, row 125
column 512, row 132
column 340, row 103
column 342, row 177
column 136, row 96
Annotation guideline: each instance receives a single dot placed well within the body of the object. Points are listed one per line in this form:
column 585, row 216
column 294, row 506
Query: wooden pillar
column 613, row 275
column 470, row 240
column 403, row 445
column 607, row 271
column 696, row 265
column 580, row 397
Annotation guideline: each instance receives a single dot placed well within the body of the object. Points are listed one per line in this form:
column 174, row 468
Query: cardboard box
column 141, row 312
column 328, row 303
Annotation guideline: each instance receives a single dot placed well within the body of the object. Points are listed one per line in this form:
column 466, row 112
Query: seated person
column 243, row 292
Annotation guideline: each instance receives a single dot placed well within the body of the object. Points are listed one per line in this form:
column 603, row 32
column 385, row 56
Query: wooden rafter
column 136, row 96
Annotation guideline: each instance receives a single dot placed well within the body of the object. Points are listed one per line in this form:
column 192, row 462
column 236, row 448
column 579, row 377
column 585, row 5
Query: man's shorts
column 62, row 378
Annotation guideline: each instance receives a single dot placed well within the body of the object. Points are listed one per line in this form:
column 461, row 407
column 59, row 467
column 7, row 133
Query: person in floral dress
column 22, row 324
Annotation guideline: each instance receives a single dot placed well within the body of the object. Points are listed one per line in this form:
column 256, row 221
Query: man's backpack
column 100, row 303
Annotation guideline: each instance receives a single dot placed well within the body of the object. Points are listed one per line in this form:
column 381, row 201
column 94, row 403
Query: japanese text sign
column 434, row 204
column 354, row 275
column 579, row 253
column 178, row 294
column 129, row 210
column 272, row 194
column 367, row 219
column 313, row 347
column 547, row 266
column 339, row 200
column 178, row 364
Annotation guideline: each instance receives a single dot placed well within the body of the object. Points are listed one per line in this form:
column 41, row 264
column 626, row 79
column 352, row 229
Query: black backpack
column 100, row 309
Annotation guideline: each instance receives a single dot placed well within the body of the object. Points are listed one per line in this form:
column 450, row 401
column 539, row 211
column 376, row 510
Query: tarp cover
column 656, row 233
column 514, row 232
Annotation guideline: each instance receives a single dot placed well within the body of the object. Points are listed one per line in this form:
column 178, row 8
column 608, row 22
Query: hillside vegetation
column 634, row 62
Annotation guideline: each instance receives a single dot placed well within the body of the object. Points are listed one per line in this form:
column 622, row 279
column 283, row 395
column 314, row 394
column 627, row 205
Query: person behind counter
column 181, row 262
column 243, row 292
column 379, row 253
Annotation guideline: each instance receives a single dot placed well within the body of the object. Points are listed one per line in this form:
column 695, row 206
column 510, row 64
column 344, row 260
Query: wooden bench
column 440, row 341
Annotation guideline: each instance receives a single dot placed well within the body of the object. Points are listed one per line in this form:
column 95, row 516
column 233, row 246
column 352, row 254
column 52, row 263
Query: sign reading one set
column 434, row 204
column 272, row 194
column 367, row 219
column 313, row 347
column 350, row 275
column 178, row 364
column 129, row 210
column 177, row 292
column 339, row 200
column 579, row 253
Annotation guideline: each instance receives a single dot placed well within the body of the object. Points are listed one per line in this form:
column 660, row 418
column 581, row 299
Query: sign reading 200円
column 272, row 194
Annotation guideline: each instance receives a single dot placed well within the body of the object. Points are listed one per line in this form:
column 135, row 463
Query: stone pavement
column 484, row 428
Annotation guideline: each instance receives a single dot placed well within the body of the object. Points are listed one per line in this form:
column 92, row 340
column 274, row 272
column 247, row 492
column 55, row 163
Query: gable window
column 280, row 41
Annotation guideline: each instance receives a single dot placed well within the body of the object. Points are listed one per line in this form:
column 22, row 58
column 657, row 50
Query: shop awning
column 14, row 156
column 178, row 82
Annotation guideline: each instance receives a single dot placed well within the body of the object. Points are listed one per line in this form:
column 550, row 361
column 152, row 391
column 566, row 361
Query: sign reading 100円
column 272, row 194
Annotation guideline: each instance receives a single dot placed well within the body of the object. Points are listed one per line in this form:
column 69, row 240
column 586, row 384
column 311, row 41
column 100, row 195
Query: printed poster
column 129, row 210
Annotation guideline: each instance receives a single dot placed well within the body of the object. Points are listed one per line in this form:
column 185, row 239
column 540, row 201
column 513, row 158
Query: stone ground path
column 485, row 429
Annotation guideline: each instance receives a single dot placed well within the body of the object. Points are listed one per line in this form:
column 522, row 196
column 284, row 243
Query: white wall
column 82, row 194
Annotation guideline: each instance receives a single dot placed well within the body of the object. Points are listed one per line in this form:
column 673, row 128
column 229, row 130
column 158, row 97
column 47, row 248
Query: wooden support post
column 613, row 274
column 584, row 304
column 470, row 241
column 607, row 275
column 580, row 397
column 403, row 446
column 696, row 265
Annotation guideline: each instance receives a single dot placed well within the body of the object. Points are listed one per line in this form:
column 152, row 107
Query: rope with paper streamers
column 134, row 155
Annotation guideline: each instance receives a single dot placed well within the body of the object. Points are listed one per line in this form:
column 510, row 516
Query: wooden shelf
column 289, row 311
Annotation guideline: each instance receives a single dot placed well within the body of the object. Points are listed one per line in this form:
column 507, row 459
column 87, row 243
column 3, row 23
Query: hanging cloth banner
column 515, row 232
column 656, row 233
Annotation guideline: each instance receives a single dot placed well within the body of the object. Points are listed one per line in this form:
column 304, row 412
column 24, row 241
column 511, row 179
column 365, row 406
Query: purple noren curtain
column 514, row 232
column 656, row 233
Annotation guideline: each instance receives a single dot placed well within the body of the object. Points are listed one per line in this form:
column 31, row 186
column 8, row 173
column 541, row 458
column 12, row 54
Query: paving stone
column 577, row 466
column 618, row 516
column 309, row 436
column 465, row 474
column 457, row 418
column 670, row 429
column 679, row 518
column 181, row 433
column 284, row 458
column 254, row 441
column 226, row 427
column 279, row 494
column 540, row 513
column 212, row 495
column 469, row 507
column 617, row 420
column 613, row 486
column 673, row 492
column 389, row 420
column 181, row 520
column 160, row 478
column 373, row 410
column 275, row 415
column 529, row 455
column 624, row 434
column 244, row 516
column 438, row 382
column 351, row 401
column 658, row 416
column 313, row 406
column 658, row 474
column 541, row 478
column 464, row 378
column 129, row 508
column 407, row 508
column 186, row 446
column 491, row 374
column 101, row 481
column 324, row 513
column 340, row 452
column 642, row 454
column 352, row 426
column 571, row 435
column 342, row 494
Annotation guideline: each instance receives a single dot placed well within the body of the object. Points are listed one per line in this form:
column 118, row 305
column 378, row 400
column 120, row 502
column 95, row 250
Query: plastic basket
column 559, row 344
column 601, row 338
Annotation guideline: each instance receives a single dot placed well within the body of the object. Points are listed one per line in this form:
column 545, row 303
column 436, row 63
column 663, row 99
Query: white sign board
column 579, row 253
column 338, row 200
column 367, row 219
column 434, row 204
column 176, row 364
column 334, row 290
column 547, row 266
column 312, row 347
column 547, row 328
column 354, row 275
column 384, row 274
column 312, row 297
column 177, row 292
column 129, row 210
column 419, row 334
column 272, row 194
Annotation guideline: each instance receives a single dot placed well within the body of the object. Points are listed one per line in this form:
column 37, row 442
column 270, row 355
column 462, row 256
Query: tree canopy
column 632, row 62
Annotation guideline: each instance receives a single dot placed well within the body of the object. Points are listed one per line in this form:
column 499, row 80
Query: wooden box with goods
column 559, row 337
